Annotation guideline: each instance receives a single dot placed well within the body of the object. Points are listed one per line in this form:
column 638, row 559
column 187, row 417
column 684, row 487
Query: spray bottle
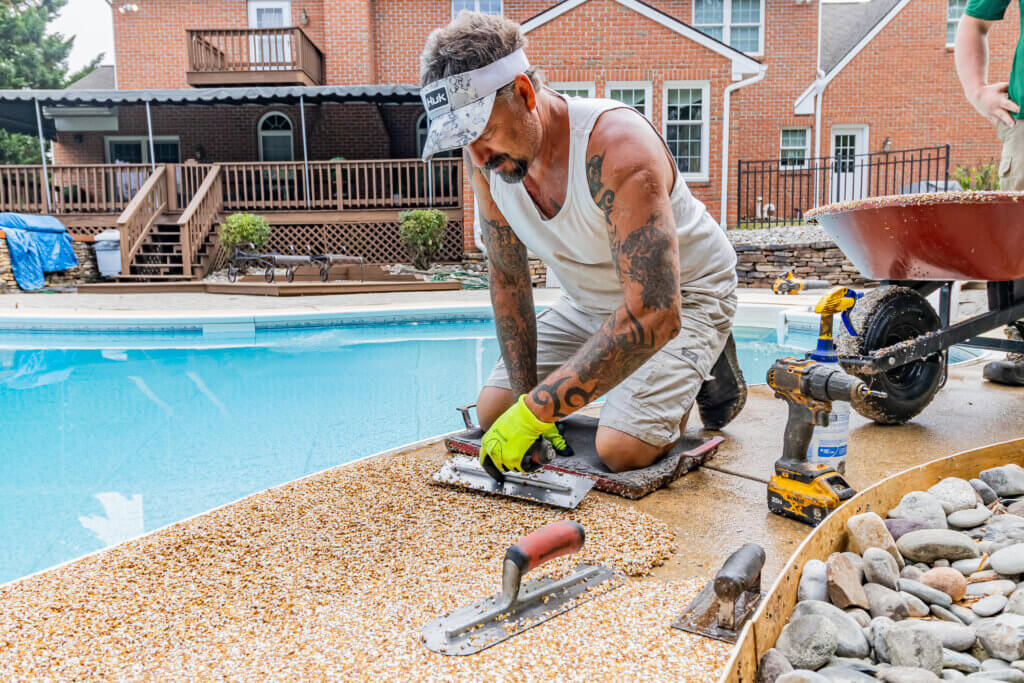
column 828, row 443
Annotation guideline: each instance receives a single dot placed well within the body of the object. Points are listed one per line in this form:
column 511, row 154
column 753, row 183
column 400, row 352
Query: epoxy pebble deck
column 333, row 576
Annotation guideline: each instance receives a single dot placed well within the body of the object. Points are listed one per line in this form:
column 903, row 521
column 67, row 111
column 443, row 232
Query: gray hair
column 471, row 41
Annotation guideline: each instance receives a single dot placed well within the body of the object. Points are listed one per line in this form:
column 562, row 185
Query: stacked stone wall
column 85, row 271
column 759, row 266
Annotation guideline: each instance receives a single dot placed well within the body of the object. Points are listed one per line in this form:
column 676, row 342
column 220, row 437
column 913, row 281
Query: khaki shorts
column 650, row 403
column 1011, row 163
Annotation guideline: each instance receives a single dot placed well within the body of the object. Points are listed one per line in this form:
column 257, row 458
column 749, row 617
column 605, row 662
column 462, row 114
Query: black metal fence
column 778, row 192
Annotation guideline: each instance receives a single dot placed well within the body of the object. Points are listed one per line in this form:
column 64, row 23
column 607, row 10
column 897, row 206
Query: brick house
column 235, row 84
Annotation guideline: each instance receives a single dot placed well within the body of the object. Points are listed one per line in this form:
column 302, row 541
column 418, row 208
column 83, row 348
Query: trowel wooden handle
column 554, row 540
column 740, row 570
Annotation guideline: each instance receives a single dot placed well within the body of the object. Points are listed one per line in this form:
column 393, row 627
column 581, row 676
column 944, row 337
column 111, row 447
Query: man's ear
column 523, row 88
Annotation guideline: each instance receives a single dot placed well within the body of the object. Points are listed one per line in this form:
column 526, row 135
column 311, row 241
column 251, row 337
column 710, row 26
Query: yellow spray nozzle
column 837, row 300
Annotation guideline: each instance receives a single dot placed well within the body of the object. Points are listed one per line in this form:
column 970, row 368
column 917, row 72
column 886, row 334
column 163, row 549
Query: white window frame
column 108, row 139
column 806, row 148
column 950, row 21
column 260, row 133
column 727, row 23
column 476, row 8
column 705, row 131
column 589, row 86
column 646, row 86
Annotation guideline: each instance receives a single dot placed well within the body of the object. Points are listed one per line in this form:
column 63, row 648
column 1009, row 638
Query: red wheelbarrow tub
column 934, row 236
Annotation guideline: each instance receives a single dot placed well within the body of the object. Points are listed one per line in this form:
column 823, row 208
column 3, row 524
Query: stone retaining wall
column 85, row 271
column 760, row 265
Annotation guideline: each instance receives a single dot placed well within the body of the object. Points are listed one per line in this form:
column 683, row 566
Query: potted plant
column 242, row 230
column 422, row 232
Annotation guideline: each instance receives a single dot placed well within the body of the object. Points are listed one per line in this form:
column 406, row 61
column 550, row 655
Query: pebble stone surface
column 333, row 576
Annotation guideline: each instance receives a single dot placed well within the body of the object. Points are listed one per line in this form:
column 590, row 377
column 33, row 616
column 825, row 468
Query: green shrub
column 422, row 231
column 982, row 177
column 242, row 228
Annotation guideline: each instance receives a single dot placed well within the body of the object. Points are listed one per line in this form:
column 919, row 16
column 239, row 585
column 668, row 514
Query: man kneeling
column 590, row 187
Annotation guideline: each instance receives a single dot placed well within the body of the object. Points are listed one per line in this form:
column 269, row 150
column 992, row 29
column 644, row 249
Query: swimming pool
column 106, row 441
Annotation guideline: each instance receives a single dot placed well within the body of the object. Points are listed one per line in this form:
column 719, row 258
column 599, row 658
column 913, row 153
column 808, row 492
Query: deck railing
column 259, row 51
column 256, row 186
column 139, row 216
column 199, row 218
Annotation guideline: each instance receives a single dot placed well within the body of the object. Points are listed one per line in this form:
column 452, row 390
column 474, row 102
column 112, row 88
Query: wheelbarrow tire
column 884, row 317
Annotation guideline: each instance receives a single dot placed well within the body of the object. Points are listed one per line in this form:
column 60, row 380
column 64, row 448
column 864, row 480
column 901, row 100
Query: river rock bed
column 933, row 592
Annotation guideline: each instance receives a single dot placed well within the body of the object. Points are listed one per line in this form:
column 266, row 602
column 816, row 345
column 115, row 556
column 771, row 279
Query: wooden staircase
column 159, row 256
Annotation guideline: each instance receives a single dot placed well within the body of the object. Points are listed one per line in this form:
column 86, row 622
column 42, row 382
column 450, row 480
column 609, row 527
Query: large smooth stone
column 900, row 527
column 988, row 496
column 968, row 566
column 845, row 674
column 945, row 614
column 986, row 607
column 968, row 519
column 886, row 602
column 985, row 575
column 1001, row 587
column 808, row 641
column 915, row 606
column 914, row 647
column 922, row 507
column 843, row 582
column 961, row 661
column 955, row 636
column 907, row 674
column 812, row 582
column 801, row 676
column 954, row 494
column 1015, row 605
column 929, row 545
column 946, row 579
column 998, row 533
column 867, row 530
column 1008, row 560
column 931, row 596
column 1002, row 636
column 879, row 627
column 880, row 567
column 1007, row 480
column 994, row 664
column 1000, row 674
column 773, row 664
column 962, row 613
column 850, row 636
column 862, row 618
column 911, row 572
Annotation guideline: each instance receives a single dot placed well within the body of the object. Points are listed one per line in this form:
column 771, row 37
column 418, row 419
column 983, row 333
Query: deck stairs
column 159, row 257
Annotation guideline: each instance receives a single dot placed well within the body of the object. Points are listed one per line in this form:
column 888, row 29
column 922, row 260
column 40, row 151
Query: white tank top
column 574, row 242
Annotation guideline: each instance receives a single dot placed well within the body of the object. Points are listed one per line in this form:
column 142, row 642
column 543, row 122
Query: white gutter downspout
column 725, row 139
column 817, row 132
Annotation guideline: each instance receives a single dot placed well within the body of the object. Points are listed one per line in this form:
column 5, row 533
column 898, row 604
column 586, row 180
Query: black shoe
column 722, row 396
column 1006, row 372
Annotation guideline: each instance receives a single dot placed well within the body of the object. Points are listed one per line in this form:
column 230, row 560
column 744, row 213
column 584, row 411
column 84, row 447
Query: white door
column 273, row 50
column 849, row 170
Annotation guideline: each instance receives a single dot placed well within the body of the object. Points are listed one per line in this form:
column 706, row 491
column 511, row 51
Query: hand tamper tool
column 720, row 610
column 521, row 606
column 803, row 490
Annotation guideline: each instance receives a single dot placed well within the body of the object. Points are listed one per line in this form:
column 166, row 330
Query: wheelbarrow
column 915, row 245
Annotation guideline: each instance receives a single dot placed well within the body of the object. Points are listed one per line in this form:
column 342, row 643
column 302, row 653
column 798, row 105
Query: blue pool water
column 100, row 445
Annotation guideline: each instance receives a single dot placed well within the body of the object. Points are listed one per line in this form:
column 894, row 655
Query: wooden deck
column 264, row 288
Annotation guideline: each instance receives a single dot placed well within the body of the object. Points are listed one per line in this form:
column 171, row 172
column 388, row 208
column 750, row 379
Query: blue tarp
column 37, row 244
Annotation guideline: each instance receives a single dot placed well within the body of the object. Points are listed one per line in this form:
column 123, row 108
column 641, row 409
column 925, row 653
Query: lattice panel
column 377, row 242
column 79, row 230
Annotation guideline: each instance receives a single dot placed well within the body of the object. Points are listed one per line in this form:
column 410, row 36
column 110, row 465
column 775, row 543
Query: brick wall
column 229, row 133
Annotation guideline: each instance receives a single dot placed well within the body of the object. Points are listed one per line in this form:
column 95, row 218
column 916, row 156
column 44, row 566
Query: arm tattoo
column 603, row 197
column 624, row 342
column 512, row 299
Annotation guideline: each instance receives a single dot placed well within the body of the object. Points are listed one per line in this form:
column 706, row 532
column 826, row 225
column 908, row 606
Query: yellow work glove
column 511, row 436
column 557, row 441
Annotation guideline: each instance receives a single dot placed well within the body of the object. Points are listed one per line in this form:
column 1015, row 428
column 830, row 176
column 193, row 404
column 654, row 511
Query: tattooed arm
column 630, row 179
column 511, row 291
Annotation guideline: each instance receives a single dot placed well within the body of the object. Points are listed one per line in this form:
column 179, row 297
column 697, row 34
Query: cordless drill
column 800, row 489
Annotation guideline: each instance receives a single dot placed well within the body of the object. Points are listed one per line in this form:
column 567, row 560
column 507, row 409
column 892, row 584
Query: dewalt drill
column 800, row 489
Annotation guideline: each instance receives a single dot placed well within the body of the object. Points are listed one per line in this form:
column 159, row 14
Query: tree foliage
column 32, row 58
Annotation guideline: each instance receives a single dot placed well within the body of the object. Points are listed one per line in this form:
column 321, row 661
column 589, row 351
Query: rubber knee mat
column 581, row 431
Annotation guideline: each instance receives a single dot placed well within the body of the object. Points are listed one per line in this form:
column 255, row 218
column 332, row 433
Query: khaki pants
column 1011, row 163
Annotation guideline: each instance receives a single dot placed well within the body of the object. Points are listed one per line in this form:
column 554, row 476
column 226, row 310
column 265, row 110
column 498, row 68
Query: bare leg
column 621, row 452
column 491, row 403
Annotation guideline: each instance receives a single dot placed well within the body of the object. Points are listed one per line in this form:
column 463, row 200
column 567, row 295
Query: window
column 484, row 6
column 275, row 135
column 795, row 145
column 135, row 149
column 737, row 23
column 686, row 127
column 954, row 11
column 635, row 94
column 573, row 88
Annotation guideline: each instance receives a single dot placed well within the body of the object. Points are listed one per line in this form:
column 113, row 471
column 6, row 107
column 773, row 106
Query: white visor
column 458, row 107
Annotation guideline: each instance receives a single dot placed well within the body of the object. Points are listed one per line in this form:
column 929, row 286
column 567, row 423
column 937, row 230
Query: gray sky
column 89, row 21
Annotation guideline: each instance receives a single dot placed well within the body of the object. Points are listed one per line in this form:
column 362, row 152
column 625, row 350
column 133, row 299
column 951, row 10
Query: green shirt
column 993, row 10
